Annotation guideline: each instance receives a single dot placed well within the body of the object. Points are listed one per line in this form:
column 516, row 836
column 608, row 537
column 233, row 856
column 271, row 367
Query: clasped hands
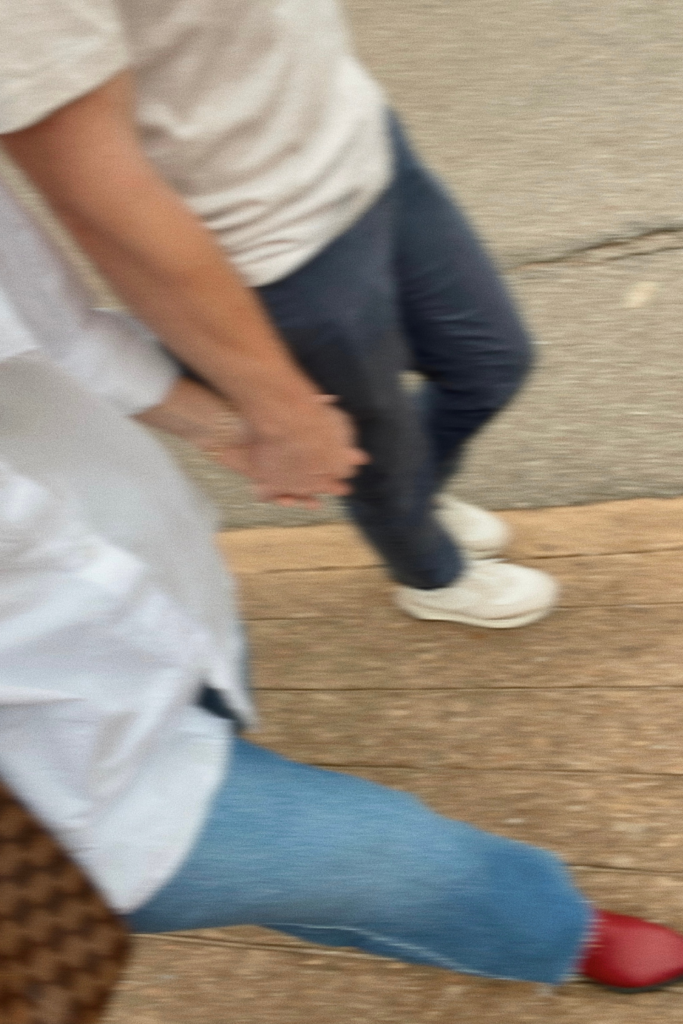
column 312, row 453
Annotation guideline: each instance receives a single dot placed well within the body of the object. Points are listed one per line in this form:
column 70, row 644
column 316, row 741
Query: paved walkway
column 566, row 733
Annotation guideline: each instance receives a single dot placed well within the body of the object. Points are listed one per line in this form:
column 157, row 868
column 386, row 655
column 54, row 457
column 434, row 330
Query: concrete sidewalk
column 565, row 733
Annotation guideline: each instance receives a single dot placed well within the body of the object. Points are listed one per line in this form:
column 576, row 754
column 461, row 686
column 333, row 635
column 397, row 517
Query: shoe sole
column 637, row 991
column 435, row 615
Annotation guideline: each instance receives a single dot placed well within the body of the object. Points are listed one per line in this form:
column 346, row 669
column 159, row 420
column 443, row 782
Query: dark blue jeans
column 406, row 287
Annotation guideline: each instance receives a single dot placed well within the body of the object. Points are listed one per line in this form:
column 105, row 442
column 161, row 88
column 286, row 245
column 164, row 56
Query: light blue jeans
column 337, row 860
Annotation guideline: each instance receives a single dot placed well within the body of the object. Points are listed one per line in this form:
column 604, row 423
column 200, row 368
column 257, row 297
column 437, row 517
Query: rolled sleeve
column 52, row 52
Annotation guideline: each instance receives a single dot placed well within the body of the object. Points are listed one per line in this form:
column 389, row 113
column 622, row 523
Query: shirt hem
column 265, row 271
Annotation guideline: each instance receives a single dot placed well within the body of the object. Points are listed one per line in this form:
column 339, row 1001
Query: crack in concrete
column 646, row 243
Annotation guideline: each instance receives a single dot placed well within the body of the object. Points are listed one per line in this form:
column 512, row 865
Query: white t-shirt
column 256, row 111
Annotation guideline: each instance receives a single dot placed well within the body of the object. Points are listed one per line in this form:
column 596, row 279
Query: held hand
column 312, row 455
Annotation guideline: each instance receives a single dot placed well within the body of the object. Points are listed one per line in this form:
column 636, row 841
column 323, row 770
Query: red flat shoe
column 631, row 955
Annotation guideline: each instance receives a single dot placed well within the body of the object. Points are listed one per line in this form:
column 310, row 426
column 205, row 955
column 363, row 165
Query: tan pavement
column 565, row 733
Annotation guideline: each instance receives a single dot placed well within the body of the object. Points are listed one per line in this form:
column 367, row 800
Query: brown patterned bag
column 61, row 947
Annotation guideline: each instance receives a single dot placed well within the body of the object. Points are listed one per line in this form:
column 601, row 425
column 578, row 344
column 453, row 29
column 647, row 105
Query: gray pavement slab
column 557, row 124
column 601, row 417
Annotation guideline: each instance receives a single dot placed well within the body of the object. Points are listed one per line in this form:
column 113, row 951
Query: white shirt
column 114, row 610
column 256, row 111
column 111, row 353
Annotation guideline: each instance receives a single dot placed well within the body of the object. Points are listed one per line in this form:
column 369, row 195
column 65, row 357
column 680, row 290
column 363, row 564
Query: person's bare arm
column 86, row 160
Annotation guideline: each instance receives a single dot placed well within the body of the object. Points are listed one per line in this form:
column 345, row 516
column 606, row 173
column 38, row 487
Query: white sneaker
column 479, row 533
column 493, row 594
